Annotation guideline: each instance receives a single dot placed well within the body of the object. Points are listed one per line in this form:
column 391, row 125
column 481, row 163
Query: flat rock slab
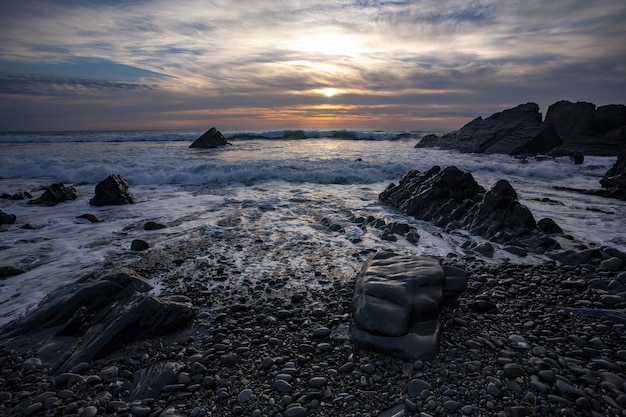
column 397, row 301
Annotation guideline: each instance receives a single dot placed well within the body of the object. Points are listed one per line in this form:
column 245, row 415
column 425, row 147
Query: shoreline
column 511, row 344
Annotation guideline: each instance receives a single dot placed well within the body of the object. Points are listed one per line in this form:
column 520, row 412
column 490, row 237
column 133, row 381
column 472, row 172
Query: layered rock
column 113, row 191
column 568, row 129
column 451, row 198
column 212, row 138
column 614, row 181
column 397, row 301
column 95, row 316
column 586, row 129
column 517, row 131
column 55, row 194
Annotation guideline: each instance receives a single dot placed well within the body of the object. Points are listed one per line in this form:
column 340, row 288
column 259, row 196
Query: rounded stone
column 244, row 396
column 317, row 382
column 296, row 411
column 416, row 386
column 282, row 386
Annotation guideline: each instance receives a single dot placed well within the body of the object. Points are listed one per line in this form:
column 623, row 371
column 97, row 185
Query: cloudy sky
column 270, row 64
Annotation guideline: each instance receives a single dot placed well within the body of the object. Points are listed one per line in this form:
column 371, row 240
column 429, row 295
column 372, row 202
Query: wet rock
column 112, row 191
column 150, row 381
column 92, row 218
column 614, row 181
column 6, row 218
column 55, row 194
column 151, row 225
column 396, row 304
column 139, row 245
column 212, row 138
column 549, row 226
column 10, row 271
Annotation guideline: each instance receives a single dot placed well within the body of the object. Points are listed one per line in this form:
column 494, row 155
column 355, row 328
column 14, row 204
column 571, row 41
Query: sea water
column 279, row 184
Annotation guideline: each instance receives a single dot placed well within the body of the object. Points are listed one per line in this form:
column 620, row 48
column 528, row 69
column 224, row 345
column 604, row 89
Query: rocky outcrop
column 55, row 194
column 95, row 316
column 614, row 181
column 113, row 191
column 517, row 131
column 451, row 198
column 568, row 129
column 588, row 130
column 6, row 218
column 397, row 301
column 212, row 138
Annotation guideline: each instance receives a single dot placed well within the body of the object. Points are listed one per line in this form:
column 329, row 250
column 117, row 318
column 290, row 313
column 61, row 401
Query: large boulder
column 451, row 198
column 585, row 129
column 113, row 191
column 55, row 194
column 614, row 181
column 516, row 131
column 95, row 316
column 6, row 218
column 212, row 138
column 397, row 301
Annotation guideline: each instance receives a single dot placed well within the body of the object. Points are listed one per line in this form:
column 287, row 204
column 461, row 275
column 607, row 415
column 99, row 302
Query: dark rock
column 614, row 181
column 571, row 118
column 396, row 304
column 139, row 245
column 153, row 226
column 516, row 131
column 91, row 217
column 549, row 226
column 111, row 192
column 212, row 138
column 9, row 271
column 55, row 194
column 150, row 381
column 6, row 218
column 451, row 198
column 23, row 195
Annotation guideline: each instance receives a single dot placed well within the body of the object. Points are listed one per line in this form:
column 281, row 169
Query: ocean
column 281, row 187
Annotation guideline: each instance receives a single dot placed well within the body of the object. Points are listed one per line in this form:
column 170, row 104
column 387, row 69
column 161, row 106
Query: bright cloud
column 428, row 63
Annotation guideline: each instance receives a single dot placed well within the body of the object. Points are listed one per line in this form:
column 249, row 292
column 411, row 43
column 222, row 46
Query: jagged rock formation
column 95, row 316
column 212, row 138
column 55, row 194
column 113, row 191
column 568, row 129
column 517, row 131
column 397, row 301
column 451, row 198
column 614, row 181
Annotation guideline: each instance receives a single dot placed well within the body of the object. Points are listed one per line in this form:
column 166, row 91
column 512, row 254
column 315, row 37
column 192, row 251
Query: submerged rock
column 6, row 218
column 55, row 194
column 212, row 138
column 113, row 191
column 397, row 301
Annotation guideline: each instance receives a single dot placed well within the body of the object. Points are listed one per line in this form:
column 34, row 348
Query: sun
column 329, row 91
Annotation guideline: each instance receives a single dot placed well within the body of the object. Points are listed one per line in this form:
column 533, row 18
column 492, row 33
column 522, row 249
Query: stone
column 614, row 181
column 10, row 271
column 396, row 304
column 6, row 218
column 417, row 386
column 516, row 131
column 549, row 226
column 55, row 194
column 612, row 264
column 451, row 198
column 151, row 225
column 212, row 138
column 139, row 245
column 150, row 381
column 111, row 192
column 92, row 218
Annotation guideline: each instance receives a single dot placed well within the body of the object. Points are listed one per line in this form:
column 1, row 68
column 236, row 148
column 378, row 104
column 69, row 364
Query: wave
column 191, row 135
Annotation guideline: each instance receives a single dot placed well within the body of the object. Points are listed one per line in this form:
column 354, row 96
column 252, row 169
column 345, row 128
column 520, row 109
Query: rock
column 6, row 218
column 451, row 198
column 9, row 271
column 396, row 304
column 571, row 119
column 150, row 381
column 612, row 264
column 55, row 194
column 139, row 245
column 92, row 218
column 516, row 131
column 549, row 226
column 153, row 226
column 212, row 138
column 614, row 181
column 111, row 192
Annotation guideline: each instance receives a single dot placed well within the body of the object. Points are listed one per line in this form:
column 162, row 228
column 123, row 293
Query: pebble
column 417, row 386
column 244, row 396
column 282, row 386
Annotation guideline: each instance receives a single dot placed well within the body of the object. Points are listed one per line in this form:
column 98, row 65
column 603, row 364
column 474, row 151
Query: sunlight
column 329, row 92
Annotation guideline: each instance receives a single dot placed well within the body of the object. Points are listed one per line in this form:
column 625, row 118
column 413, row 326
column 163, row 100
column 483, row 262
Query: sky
column 310, row 64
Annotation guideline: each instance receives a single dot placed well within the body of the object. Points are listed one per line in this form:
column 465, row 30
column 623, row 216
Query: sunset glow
column 429, row 64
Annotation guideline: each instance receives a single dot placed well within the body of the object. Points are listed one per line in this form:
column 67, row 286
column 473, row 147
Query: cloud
column 198, row 55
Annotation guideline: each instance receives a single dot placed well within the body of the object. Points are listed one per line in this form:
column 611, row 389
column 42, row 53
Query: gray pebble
column 282, row 386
